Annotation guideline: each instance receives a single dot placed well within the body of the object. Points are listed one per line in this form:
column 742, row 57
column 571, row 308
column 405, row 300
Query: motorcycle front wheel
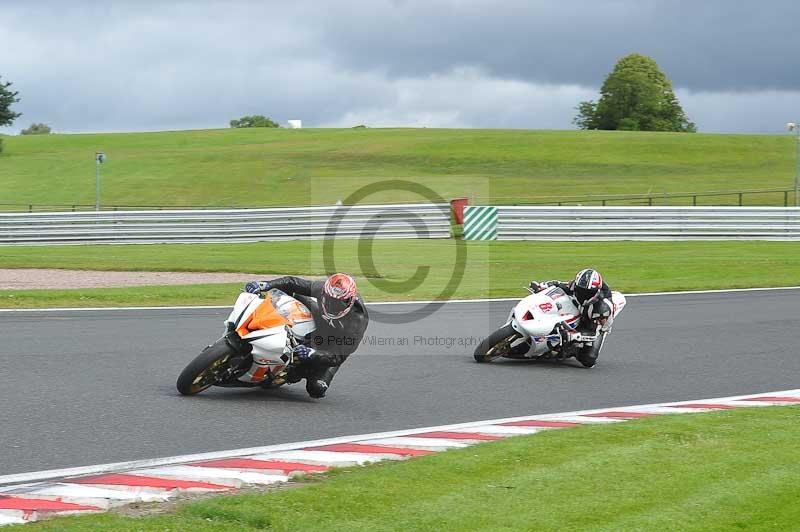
column 204, row 371
column 496, row 344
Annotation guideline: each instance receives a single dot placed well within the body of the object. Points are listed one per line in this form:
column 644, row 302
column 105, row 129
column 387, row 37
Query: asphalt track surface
column 91, row 387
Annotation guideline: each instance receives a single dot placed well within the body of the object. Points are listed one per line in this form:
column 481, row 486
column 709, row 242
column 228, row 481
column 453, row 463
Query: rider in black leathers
column 340, row 317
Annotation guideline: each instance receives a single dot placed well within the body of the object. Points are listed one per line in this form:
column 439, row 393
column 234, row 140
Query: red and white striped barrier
column 31, row 496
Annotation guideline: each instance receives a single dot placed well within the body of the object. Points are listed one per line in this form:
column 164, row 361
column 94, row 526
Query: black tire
column 200, row 373
column 587, row 355
column 496, row 344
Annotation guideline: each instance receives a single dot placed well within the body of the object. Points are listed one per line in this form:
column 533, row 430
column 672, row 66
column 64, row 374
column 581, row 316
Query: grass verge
column 261, row 166
column 491, row 269
column 733, row 470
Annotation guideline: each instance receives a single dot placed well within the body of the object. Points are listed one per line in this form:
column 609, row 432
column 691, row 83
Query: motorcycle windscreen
column 290, row 308
column 296, row 313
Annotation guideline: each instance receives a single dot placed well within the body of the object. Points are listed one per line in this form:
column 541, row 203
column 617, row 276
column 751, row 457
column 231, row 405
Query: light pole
column 99, row 158
column 793, row 126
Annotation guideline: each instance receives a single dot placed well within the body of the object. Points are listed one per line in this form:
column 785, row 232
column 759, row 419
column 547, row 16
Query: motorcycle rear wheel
column 202, row 372
column 496, row 344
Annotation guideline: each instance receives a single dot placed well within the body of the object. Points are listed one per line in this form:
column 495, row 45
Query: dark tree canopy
column 635, row 96
column 36, row 129
column 254, row 121
column 7, row 99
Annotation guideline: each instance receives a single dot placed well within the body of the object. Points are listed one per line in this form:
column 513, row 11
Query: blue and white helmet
column 587, row 283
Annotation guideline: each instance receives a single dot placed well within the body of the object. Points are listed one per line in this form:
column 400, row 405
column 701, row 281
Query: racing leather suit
column 332, row 340
column 598, row 307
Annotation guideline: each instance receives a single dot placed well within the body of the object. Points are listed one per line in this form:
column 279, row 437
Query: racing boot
column 316, row 388
column 318, row 383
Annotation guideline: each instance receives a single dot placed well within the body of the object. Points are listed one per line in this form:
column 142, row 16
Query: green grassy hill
column 249, row 167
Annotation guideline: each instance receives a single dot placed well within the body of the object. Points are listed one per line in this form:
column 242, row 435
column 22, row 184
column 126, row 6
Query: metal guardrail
column 234, row 225
column 648, row 223
column 87, row 207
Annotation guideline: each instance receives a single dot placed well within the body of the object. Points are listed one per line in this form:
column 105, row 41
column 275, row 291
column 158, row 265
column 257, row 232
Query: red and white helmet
column 587, row 284
column 338, row 296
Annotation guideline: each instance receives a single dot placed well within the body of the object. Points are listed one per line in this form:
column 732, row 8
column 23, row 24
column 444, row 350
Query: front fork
column 241, row 360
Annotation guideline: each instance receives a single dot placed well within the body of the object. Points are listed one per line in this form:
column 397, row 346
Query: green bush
column 254, row 121
column 36, row 129
column 628, row 124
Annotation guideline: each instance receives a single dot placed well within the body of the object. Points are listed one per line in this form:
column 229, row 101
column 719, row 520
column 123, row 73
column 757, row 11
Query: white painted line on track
column 484, row 300
column 103, row 309
column 287, row 450
column 720, row 291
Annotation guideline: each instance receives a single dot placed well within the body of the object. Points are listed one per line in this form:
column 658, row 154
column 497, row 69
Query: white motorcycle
column 532, row 330
column 256, row 349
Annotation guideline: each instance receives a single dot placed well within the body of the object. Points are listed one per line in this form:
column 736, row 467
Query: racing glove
column 303, row 353
column 256, row 287
column 567, row 335
column 536, row 286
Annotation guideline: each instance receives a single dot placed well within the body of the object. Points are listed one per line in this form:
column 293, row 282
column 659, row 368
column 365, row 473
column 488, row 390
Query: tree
column 36, row 129
column 7, row 99
column 254, row 121
column 636, row 96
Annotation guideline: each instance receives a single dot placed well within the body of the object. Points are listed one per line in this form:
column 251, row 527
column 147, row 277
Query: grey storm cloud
column 702, row 44
column 138, row 65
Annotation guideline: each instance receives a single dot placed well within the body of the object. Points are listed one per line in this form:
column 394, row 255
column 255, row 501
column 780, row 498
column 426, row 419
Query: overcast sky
column 144, row 65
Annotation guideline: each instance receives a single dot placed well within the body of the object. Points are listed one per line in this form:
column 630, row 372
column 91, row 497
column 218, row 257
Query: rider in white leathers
column 593, row 296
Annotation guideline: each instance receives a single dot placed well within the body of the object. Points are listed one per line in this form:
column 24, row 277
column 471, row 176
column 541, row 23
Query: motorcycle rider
column 341, row 319
column 593, row 296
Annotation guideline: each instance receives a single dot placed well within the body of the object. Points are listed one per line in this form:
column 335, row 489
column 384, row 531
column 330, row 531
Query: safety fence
column 761, row 197
column 230, row 225
column 635, row 223
column 744, row 197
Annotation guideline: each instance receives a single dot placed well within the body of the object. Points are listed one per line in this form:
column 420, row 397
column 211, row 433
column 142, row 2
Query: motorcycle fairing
column 265, row 323
column 536, row 316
